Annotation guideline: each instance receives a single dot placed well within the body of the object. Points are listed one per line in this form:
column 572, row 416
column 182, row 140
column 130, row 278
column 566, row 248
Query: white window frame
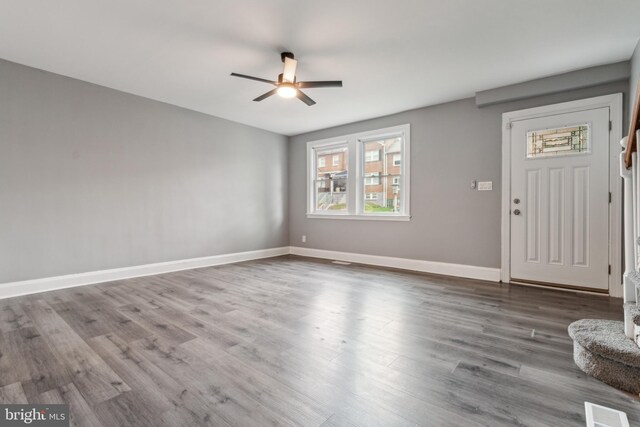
column 335, row 160
column 322, row 162
column 355, row 181
column 399, row 157
column 375, row 196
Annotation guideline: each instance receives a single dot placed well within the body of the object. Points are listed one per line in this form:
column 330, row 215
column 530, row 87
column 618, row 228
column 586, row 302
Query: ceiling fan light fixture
column 286, row 91
column 286, row 86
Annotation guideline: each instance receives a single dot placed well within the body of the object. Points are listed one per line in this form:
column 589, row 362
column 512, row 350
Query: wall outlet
column 304, row 239
column 485, row 186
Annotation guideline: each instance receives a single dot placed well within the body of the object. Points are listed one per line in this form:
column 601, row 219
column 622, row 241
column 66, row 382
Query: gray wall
column 635, row 78
column 92, row 178
column 451, row 144
column 593, row 76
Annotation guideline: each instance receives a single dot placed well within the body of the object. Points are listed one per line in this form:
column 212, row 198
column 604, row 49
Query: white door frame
column 614, row 102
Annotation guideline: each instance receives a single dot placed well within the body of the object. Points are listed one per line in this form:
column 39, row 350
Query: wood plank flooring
column 296, row 341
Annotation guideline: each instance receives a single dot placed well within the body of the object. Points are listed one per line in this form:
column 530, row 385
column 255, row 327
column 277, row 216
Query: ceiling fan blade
column 305, row 85
column 289, row 73
column 266, row 95
column 304, row 98
column 258, row 79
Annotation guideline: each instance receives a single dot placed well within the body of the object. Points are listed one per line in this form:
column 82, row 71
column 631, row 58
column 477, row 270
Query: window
column 558, row 142
column 372, row 156
column 368, row 177
column 372, row 179
column 330, row 186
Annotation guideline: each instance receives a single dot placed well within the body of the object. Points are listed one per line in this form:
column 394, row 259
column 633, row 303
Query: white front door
column 560, row 199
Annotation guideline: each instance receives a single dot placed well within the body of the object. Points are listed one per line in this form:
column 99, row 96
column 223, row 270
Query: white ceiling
column 391, row 55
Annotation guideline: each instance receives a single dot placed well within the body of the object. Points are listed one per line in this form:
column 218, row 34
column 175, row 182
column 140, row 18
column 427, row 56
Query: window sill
column 369, row 217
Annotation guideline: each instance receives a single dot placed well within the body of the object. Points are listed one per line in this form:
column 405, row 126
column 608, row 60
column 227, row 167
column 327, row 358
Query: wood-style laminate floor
column 296, row 341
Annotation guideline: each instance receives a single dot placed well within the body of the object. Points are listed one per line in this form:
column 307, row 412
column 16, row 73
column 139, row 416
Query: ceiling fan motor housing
column 284, row 55
column 281, row 78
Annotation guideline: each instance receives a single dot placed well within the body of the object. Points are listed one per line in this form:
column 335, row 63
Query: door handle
column 516, row 212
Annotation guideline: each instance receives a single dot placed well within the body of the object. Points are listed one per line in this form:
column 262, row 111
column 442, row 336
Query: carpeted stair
column 602, row 350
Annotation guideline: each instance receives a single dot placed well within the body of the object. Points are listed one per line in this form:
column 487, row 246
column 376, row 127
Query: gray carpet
column 601, row 349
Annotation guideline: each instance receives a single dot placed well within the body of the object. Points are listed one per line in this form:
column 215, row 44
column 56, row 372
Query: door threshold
column 558, row 287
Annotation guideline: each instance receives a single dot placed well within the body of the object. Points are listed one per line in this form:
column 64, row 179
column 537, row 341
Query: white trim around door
column 614, row 103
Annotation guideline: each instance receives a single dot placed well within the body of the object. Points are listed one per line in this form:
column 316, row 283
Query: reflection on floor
column 297, row 341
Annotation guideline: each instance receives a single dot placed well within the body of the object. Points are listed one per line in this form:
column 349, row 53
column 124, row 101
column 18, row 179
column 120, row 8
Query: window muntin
column 565, row 141
column 368, row 177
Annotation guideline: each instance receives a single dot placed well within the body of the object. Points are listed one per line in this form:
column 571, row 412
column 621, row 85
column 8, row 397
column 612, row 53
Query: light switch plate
column 485, row 186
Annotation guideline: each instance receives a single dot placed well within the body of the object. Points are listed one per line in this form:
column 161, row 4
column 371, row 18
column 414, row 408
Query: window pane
column 331, row 195
column 558, row 142
column 384, row 197
column 383, row 156
column 382, row 175
column 330, row 188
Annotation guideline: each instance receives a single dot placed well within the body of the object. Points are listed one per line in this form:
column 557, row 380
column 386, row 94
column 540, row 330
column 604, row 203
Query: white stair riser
column 630, row 312
column 629, row 327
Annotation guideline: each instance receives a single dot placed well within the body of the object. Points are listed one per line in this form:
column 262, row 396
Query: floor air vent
column 601, row 416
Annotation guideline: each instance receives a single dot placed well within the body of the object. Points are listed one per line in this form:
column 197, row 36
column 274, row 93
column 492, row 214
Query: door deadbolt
column 516, row 201
column 516, row 212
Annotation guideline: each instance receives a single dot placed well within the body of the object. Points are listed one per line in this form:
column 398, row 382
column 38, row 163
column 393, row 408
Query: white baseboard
column 25, row 287
column 458, row 270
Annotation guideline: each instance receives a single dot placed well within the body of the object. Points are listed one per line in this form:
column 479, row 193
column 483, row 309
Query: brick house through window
column 382, row 171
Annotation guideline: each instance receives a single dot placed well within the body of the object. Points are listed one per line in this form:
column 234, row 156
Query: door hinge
column 610, row 125
column 609, row 269
column 609, row 196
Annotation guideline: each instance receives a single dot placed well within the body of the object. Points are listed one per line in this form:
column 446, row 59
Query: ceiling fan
column 287, row 86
